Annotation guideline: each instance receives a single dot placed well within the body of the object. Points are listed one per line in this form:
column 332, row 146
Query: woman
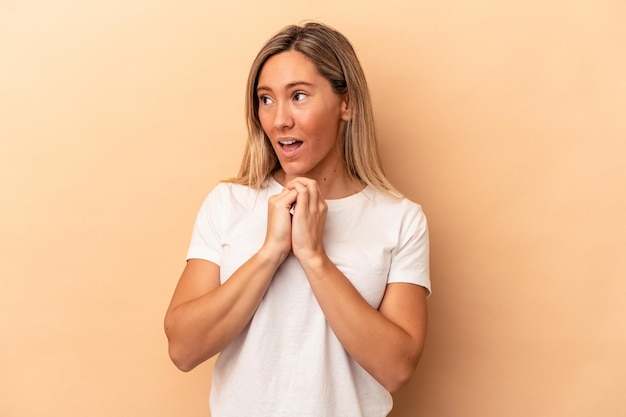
column 308, row 272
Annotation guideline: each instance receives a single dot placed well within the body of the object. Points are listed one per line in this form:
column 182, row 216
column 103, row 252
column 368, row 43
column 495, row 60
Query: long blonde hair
column 335, row 59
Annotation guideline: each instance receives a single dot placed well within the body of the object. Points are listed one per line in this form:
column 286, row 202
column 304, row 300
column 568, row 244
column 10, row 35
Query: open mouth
column 290, row 145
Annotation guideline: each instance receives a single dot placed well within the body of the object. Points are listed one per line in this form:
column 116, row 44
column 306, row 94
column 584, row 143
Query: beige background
column 505, row 120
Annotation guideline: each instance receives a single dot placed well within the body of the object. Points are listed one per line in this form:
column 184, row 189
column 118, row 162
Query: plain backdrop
column 504, row 120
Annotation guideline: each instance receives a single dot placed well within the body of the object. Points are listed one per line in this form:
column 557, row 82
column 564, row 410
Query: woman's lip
column 289, row 146
column 287, row 142
column 287, row 139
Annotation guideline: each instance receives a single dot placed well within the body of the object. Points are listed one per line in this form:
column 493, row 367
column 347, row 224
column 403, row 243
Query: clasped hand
column 301, row 233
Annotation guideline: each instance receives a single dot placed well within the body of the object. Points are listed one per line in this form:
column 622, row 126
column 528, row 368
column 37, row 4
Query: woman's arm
column 387, row 342
column 204, row 316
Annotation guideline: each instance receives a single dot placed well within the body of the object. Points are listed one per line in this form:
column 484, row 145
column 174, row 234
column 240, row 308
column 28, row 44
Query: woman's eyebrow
column 287, row 86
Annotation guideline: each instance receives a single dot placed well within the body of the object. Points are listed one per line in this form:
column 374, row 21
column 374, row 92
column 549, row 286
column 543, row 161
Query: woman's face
column 302, row 116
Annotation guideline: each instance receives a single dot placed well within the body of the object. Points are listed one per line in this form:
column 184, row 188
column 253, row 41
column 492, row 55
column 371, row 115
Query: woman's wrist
column 271, row 256
column 316, row 266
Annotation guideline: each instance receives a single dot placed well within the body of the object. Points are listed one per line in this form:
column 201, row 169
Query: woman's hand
column 309, row 218
column 279, row 229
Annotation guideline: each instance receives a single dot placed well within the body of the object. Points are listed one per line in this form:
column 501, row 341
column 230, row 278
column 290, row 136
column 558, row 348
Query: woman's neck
column 333, row 186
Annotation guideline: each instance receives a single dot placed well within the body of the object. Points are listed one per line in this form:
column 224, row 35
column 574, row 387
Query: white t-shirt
column 288, row 362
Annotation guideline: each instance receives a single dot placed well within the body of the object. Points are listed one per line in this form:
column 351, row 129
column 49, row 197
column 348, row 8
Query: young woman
column 308, row 273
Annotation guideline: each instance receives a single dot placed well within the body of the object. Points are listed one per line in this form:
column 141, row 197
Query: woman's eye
column 299, row 96
column 265, row 100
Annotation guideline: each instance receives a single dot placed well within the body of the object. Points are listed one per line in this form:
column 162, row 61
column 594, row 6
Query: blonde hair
column 335, row 59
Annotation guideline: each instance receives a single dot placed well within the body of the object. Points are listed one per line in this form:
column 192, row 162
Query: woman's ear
column 346, row 113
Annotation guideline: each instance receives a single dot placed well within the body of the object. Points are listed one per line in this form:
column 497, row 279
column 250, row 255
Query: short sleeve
column 410, row 261
column 206, row 236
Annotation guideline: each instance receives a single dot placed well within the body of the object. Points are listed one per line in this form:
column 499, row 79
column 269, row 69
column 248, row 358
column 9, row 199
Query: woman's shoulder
column 228, row 193
column 392, row 200
column 227, row 187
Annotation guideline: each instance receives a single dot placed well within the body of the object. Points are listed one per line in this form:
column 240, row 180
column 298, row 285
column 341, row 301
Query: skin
column 297, row 104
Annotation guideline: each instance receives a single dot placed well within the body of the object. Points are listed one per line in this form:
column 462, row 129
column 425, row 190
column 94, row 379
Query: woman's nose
column 283, row 119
